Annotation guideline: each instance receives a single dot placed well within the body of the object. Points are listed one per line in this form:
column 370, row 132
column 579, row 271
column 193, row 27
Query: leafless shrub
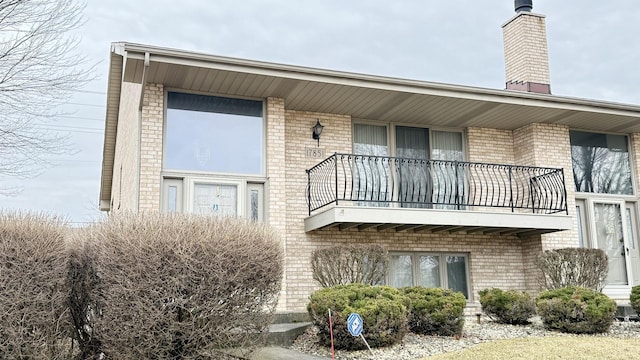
column 34, row 321
column 82, row 280
column 573, row 267
column 176, row 286
column 347, row 264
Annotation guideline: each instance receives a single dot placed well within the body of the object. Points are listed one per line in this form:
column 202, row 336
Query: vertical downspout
column 139, row 152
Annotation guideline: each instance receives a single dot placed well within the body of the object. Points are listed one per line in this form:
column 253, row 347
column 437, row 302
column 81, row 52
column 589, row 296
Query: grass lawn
column 552, row 347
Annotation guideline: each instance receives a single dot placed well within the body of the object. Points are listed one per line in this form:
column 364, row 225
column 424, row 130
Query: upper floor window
column 214, row 134
column 601, row 163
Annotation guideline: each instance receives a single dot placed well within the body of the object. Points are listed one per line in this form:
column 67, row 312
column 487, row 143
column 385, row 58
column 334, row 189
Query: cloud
column 592, row 46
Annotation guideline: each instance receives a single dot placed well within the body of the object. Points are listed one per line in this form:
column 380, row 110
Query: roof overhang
column 358, row 95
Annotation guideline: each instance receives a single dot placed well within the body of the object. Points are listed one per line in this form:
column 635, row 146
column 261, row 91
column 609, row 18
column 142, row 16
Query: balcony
column 347, row 191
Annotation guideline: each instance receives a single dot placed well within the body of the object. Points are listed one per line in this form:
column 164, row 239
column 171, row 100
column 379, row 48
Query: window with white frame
column 601, row 163
column 213, row 156
column 442, row 270
column 214, row 134
column 418, row 185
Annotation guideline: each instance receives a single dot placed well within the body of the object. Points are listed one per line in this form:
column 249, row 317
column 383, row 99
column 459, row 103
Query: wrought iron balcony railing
column 364, row 180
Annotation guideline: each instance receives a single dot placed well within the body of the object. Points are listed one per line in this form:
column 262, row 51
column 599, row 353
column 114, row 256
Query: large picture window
column 429, row 270
column 601, row 163
column 213, row 134
column 214, row 156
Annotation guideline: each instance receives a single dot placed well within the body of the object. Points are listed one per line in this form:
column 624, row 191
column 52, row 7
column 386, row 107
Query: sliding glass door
column 418, row 172
column 429, row 184
column 415, row 186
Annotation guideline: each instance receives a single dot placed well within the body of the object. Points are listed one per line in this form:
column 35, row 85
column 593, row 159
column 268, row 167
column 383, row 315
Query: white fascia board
column 170, row 56
column 364, row 215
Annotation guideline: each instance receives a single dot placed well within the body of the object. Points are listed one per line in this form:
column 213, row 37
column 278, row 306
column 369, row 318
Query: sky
column 594, row 53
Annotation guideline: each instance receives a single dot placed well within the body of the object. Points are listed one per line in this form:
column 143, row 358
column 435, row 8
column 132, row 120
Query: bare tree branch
column 39, row 69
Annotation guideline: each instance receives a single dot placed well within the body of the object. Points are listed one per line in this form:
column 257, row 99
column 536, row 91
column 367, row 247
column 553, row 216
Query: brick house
column 464, row 186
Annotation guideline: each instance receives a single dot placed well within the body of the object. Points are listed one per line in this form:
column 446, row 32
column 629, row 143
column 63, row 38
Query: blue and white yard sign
column 354, row 323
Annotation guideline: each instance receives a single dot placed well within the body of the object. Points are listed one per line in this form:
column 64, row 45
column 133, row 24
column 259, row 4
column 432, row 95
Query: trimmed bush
column 576, row 310
column 383, row 310
column 34, row 321
column 580, row 267
column 168, row 286
column 349, row 264
column 435, row 311
column 635, row 299
column 507, row 307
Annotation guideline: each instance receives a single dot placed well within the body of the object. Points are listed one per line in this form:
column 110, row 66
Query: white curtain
column 401, row 271
column 447, row 145
column 447, row 180
column 430, row 271
column 412, row 146
column 370, row 140
column 370, row 175
column 412, row 143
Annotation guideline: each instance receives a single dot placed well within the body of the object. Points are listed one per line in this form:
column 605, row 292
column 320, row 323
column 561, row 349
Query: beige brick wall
column 336, row 137
column 525, row 49
column 531, row 248
column 493, row 146
column 495, row 261
column 634, row 150
column 276, row 160
column 151, row 147
column 276, row 178
column 490, row 145
column 546, row 145
column 124, row 188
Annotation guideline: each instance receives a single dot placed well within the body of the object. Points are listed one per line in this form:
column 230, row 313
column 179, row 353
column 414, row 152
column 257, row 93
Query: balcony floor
column 436, row 220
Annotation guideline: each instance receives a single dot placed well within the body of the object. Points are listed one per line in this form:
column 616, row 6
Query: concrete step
column 291, row 317
column 626, row 312
column 285, row 334
column 279, row 353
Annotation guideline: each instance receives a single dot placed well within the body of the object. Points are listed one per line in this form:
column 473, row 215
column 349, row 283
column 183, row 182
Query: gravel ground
column 418, row 346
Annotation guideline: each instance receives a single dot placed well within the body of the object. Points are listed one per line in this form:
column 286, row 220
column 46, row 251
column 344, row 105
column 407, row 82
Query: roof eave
column 188, row 58
column 111, row 123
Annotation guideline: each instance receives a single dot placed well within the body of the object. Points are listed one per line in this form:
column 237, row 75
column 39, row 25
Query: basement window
column 443, row 270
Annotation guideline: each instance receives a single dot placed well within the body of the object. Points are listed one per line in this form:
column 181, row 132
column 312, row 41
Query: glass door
column 609, row 229
column 414, row 173
column 633, row 250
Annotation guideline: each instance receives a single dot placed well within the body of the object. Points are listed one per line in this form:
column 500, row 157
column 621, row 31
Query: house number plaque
column 315, row 152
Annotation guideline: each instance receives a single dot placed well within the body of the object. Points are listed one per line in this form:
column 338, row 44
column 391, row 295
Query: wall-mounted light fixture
column 317, row 130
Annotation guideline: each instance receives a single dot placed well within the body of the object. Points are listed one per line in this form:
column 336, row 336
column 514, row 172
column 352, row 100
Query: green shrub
column 508, row 307
column 635, row 299
column 576, row 310
column 349, row 264
column 435, row 311
column 383, row 310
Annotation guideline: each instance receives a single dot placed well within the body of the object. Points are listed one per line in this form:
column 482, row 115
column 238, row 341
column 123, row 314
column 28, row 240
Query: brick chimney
column 525, row 50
